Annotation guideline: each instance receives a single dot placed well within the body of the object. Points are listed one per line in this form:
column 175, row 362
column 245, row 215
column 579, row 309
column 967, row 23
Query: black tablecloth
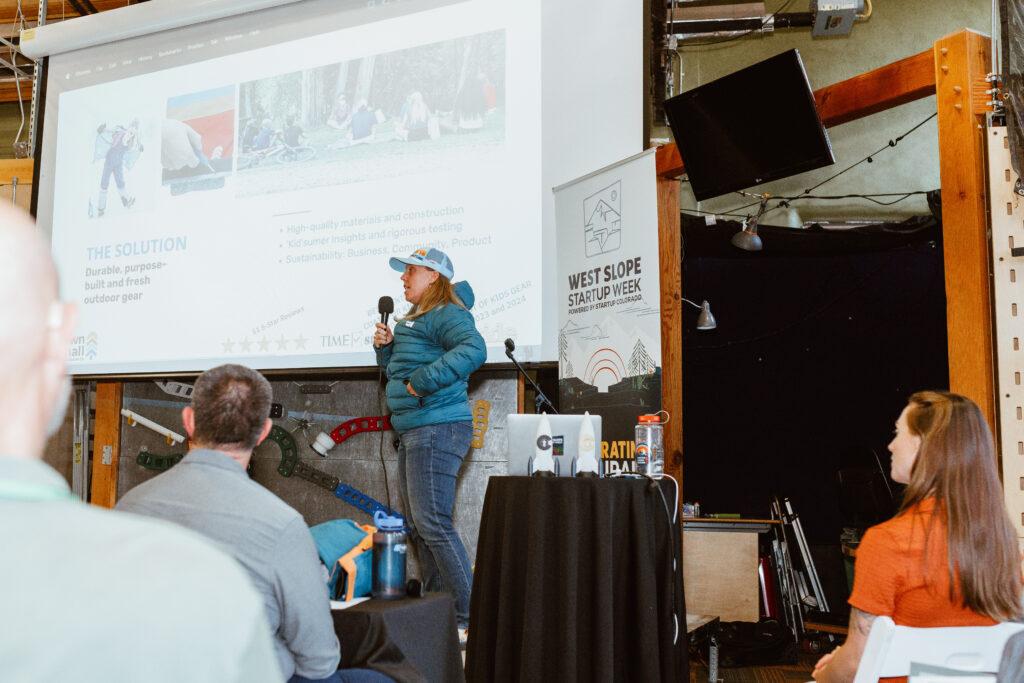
column 412, row 640
column 574, row 581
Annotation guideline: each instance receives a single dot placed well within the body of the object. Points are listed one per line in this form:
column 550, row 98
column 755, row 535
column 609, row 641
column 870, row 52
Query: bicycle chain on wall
column 1007, row 211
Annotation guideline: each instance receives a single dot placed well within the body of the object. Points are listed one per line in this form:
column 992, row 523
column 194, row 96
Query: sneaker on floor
column 463, row 637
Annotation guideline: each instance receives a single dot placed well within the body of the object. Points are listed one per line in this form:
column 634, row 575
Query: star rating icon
column 245, row 345
column 282, row 344
column 300, row 342
column 229, row 346
column 263, row 344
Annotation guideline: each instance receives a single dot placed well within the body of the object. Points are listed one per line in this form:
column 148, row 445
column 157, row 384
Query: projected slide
column 244, row 206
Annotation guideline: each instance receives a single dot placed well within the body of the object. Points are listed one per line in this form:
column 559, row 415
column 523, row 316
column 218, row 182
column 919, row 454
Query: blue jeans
column 429, row 459
column 113, row 164
column 346, row 676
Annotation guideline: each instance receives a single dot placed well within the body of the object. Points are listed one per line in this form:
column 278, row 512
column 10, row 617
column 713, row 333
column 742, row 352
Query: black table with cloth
column 574, row 581
column 412, row 640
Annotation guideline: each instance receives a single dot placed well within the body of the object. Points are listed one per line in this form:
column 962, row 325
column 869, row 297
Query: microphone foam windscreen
column 386, row 305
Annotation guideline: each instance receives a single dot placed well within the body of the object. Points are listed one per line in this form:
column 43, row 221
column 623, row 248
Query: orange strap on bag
column 347, row 562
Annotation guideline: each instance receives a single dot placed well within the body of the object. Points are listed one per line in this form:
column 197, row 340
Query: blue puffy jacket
column 436, row 353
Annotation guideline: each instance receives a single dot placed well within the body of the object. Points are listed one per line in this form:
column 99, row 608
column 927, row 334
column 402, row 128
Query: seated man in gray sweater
column 210, row 492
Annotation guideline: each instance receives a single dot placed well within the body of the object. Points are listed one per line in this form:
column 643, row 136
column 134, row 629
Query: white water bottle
column 650, row 446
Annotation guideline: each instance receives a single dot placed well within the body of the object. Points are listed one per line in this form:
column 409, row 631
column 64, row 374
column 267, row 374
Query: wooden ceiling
column 57, row 10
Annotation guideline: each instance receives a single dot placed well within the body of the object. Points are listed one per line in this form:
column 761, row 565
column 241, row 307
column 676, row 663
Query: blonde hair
column 438, row 293
column 956, row 465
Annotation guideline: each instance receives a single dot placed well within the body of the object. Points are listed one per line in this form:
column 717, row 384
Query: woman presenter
column 428, row 360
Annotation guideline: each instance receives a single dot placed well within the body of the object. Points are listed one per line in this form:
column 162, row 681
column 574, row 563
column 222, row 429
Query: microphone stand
column 540, row 400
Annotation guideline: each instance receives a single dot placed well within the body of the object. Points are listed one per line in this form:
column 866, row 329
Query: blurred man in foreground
column 87, row 594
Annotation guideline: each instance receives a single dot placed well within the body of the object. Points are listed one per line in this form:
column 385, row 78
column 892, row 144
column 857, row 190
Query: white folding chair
column 891, row 649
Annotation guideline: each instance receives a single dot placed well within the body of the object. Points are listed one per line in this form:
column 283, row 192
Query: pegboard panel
column 356, row 462
column 1007, row 210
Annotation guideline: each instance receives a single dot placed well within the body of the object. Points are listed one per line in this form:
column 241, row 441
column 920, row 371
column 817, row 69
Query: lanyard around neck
column 34, row 493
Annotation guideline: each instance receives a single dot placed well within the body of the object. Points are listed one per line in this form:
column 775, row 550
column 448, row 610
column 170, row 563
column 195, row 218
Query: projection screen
column 233, row 190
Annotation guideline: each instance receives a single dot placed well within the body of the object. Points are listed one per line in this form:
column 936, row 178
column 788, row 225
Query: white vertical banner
column 609, row 339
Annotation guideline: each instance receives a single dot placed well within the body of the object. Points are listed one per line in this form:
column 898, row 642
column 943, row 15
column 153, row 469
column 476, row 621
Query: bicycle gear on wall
column 292, row 465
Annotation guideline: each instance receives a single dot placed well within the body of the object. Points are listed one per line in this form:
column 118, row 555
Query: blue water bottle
column 389, row 552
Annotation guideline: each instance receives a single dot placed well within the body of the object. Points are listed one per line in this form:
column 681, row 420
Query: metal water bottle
column 389, row 553
column 650, row 446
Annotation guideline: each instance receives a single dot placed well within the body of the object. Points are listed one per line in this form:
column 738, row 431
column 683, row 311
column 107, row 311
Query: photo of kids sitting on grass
column 403, row 112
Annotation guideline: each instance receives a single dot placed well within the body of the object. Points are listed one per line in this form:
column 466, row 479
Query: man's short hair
column 231, row 404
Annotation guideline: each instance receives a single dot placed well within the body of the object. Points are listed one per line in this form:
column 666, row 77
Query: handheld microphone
column 385, row 306
column 510, row 346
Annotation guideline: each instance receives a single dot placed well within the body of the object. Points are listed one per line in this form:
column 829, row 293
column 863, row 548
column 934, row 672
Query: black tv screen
column 749, row 127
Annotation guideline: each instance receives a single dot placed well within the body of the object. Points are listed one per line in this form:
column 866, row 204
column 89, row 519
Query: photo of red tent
column 198, row 140
column 211, row 114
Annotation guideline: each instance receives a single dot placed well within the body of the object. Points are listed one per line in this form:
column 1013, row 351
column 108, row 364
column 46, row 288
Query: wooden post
column 520, row 393
column 962, row 62
column 106, row 443
column 671, row 274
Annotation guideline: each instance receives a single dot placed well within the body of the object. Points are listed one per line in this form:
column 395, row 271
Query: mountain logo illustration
column 602, row 216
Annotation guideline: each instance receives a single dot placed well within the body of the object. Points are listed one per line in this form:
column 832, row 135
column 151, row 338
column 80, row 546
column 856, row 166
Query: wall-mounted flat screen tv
column 752, row 126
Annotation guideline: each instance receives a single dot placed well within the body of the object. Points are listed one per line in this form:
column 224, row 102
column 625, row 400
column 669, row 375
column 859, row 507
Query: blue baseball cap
column 435, row 259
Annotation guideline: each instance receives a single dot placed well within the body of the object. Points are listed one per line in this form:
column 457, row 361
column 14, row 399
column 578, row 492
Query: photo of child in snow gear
column 119, row 147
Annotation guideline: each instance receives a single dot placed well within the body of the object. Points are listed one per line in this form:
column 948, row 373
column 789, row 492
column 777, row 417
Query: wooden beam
column 9, row 92
column 667, row 161
column 55, row 11
column 17, row 168
column 670, row 266
column 962, row 61
column 908, row 79
column 106, row 444
column 719, row 11
column 20, row 194
column 902, row 81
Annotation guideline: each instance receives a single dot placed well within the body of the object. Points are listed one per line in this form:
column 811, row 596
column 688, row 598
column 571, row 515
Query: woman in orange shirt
column 949, row 557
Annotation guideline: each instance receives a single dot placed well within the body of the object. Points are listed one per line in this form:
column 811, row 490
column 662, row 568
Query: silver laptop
column 565, row 432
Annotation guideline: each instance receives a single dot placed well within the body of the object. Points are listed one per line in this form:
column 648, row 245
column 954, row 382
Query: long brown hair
column 956, row 465
column 438, row 293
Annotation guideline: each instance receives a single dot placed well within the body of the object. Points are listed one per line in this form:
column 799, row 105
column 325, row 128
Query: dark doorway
column 821, row 338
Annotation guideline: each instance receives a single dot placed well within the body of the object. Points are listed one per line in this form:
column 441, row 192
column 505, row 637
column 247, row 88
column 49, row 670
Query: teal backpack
column 346, row 549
